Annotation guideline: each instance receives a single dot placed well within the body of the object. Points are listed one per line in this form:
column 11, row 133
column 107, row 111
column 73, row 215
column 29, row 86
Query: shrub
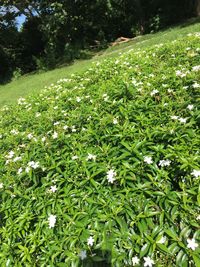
column 17, row 73
column 104, row 166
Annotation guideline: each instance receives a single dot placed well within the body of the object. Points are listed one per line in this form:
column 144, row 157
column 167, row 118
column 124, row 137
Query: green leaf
column 172, row 234
column 179, row 258
column 196, row 259
column 173, row 248
column 162, row 248
column 144, row 250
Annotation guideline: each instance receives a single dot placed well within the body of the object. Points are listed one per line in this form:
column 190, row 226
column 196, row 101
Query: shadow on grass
column 190, row 22
column 99, row 258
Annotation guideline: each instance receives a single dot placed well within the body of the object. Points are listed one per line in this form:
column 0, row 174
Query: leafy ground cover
column 104, row 167
column 34, row 83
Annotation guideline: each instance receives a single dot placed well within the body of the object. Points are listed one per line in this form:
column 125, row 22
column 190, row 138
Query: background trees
column 56, row 31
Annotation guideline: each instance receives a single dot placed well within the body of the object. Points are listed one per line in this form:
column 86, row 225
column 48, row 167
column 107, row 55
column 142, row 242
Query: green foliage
column 106, row 164
column 17, row 74
column 8, row 37
column 5, row 70
column 57, row 30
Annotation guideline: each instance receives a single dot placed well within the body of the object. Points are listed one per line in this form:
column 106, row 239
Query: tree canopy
column 57, row 30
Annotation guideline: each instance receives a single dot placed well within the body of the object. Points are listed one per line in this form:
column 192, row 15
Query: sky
column 20, row 21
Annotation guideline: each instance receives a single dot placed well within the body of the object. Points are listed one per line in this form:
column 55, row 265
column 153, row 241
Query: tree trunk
column 141, row 20
column 198, row 8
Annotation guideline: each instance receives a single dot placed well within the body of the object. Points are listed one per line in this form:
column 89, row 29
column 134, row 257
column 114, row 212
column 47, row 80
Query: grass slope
column 103, row 168
column 34, row 83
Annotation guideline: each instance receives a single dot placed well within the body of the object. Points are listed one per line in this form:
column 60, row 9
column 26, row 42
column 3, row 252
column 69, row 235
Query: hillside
column 33, row 84
column 103, row 167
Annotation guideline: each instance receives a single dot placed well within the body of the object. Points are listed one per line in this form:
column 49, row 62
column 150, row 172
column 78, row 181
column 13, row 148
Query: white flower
column 65, row 127
column 15, row 132
column 91, row 157
column 7, row 161
column 1, row 185
column 111, row 176
column 154, row 92
column 115, row 121
column 180, row 74
column 21, row 100
column 190, row 107
column 135, row 260
column 83, row 254
column 34, row 164
column 174, row 117
column 53, row 189
column 196, row 173
column 43, row 139
column 52, row 220
column 164, row 162
column 148, row 159
column 192, row 244
column 8, row 262
column 198, row 217
column 30, row 136
column 27, row 170
column 17, row 159
column 37, row 114
column 5, row 108
column 74, row 157
column 183, row 120
column 73, row 129
column 55, row 135
column 20, row 171
column 10, row 155
column 196, row 85
column 22, row 145
column 90, row 241
column 148, row 261
column 196, row 68
column 78, row 99
column 105, row 97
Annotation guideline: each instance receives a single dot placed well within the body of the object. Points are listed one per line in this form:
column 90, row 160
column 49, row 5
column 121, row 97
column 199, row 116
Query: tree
column 56, row 30
column 8, row 37
column 30, row 45
column 198, row 7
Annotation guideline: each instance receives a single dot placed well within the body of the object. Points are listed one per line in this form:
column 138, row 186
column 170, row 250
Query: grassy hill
column 102, row 168
column 34, row 83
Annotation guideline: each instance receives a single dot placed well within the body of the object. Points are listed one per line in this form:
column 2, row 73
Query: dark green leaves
column 60, row 149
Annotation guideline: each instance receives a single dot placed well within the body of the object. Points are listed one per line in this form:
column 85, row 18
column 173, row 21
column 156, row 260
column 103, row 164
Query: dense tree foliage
column 58, row 30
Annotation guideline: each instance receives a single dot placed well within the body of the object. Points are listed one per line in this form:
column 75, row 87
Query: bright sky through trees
column 20, row 20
